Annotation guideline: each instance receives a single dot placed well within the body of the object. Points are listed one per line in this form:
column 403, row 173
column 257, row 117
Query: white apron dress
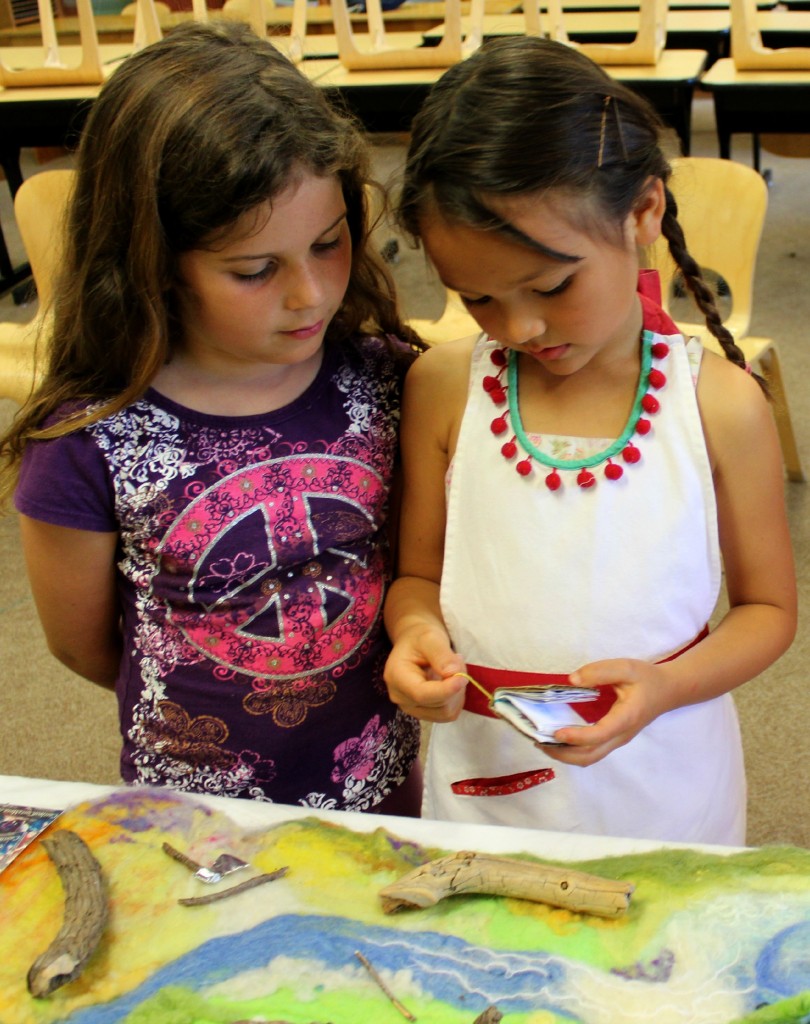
column 544, row 581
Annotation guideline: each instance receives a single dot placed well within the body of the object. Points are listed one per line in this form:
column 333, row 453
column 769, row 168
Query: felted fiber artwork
column 707, row 938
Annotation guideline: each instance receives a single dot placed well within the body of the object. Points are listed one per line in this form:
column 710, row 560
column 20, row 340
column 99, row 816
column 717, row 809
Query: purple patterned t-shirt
column 253, row 563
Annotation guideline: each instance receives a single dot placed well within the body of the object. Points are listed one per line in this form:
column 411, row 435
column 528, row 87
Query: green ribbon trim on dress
column 607, row 453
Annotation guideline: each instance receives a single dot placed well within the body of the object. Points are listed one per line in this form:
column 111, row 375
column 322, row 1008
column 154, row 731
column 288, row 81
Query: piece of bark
column 492, row 1015
column 84, row 918
column 463, row 873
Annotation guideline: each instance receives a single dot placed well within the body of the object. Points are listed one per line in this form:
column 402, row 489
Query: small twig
column 181, row 858
column 222, row 894
column 406, row 1013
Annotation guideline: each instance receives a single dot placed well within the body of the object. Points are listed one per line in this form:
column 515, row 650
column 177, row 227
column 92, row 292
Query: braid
column 696, row 283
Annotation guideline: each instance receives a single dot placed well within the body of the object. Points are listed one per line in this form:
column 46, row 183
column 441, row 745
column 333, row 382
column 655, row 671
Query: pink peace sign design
column 275, row 571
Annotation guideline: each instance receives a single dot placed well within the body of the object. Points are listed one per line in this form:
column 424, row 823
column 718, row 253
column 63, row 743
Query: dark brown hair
column 526, row 115
column 185, row 137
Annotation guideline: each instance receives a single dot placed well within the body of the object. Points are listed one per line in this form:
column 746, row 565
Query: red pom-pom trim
column 498, row 357
column 650, row 404
column 509, row 450
column 553, row 480
column 490, row 383
column 631, row 454
column 498, row 425
column 524, row 467
column 660, row 349
column 498, row 395
column 643, row 426
column 657, row 379
column 613, row 471
column 585, row 478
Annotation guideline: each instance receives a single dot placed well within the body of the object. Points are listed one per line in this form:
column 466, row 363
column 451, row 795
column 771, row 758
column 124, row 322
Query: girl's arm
column 760, row 578
column 421, row 667
column 73, row 579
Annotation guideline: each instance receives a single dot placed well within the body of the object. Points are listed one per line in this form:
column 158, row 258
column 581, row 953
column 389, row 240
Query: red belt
column 491, row 678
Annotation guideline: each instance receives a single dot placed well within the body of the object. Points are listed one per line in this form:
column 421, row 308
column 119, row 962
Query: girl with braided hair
column 579, row 475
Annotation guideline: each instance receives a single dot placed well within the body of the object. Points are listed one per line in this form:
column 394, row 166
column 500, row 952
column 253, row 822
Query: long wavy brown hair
column 184, row 138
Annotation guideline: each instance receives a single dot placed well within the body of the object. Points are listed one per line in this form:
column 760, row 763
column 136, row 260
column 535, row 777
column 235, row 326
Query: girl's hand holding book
column 643, row 692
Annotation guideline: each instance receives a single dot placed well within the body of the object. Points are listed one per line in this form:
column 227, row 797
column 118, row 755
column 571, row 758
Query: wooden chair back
column 747, row 49
column 381, row 50
column 645, row 49
column 721, row 208
column 39, row 209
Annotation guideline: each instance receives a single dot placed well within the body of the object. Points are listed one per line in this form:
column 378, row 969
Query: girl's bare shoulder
column 443, row 366
column 736, row 414
column 728, row 395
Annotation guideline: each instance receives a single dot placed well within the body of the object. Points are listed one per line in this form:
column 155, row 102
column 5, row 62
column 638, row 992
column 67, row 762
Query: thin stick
column 476, row 684
column 222, row 894
column 181, row 858
column 406, row 1013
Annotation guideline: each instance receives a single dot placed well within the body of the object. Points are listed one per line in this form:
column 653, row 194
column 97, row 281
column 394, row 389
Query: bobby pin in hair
column 602, row 130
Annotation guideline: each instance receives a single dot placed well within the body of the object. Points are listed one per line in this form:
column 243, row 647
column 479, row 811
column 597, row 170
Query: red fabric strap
column 656, row 319
column 504, row 785
column 491, row 678
column 649, row 285
column 589, row 711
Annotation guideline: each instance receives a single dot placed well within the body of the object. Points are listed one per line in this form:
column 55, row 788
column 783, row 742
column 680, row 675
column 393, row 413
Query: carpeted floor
column 58, row 726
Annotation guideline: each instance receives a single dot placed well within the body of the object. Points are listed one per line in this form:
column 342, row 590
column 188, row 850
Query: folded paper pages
column 539, row 711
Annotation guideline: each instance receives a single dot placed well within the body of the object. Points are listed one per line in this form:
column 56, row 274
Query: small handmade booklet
column 20, row 826
column 539, row 711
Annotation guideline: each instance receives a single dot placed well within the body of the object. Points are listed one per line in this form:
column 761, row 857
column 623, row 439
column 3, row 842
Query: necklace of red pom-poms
column 623, row 449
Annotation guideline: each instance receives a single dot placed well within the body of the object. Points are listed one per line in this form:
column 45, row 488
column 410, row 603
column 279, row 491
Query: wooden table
column 707, row 30
column 757, row 102
column 388, row 100
column 384, row 100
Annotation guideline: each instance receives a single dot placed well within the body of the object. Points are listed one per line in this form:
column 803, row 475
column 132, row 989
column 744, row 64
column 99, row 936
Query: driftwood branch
column 84, row 919
column 464, row 873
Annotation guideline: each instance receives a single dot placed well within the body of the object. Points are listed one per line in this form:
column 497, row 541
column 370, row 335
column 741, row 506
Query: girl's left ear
column 649, row 213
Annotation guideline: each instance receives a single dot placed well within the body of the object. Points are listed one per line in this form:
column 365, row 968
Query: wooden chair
column 260, row 13
column 293, row 45
column 721, row 207
column 89, row 70
column 378, row 50
column 53, row 71
column 39, row 208
column 748, row 51
column 646, row 48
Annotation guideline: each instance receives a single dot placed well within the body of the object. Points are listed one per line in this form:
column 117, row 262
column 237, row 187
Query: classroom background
column 55, row 725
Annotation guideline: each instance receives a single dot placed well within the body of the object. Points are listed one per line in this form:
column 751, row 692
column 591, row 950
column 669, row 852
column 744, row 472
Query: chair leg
column 772, row 370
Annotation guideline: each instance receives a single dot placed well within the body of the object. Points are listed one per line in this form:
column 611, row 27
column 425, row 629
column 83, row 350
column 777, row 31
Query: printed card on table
column 19, row 826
